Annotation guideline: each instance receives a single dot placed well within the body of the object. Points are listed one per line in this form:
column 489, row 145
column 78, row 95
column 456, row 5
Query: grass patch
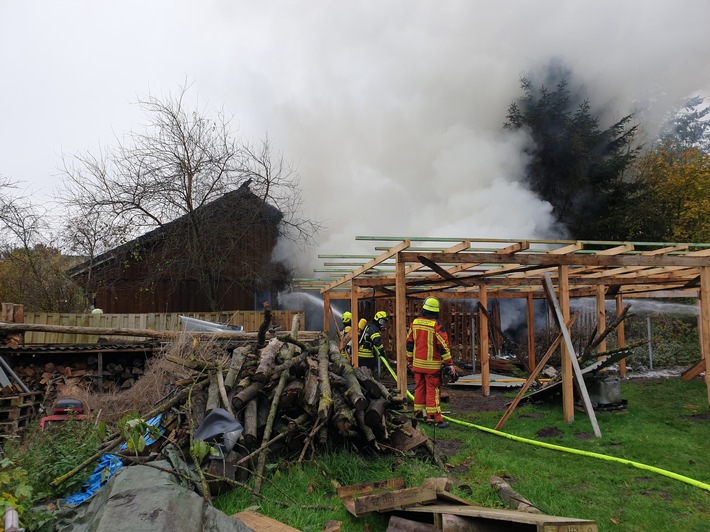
column 667, row 425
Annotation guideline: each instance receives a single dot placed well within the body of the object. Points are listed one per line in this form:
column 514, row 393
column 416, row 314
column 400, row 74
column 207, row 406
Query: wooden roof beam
column 533, row 259
column 374, row 262
column 453, row 249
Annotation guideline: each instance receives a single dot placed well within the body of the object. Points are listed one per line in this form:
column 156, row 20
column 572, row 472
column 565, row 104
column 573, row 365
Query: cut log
column 310, row 388
column 267, row 360
column 325, row 404
column 365, row 431
column 367, row 382
column 511, row 497
column 246, row 395
column 291, row 395
column 353, row 391
column 343, row 419
column 375, row 414
column 212, row 393
column 251, row 423
column 239, row 355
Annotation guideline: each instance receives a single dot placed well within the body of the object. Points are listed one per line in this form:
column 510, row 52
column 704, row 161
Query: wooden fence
column 249, row 319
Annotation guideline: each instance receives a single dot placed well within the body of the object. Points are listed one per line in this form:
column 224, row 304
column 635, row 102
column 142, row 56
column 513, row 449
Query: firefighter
column 347, row 323
column 370, row 346
column 346, row 335
column 427, row 352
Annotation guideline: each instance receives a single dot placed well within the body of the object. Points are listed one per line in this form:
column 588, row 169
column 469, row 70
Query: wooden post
column 400, row 309
column 700, row 329
column 327, row 312
column 705, row 321
column 483, row 341
column 620, row 334
column 354, row 307
column 533, row 375
column 531, row 332
column 100, row 370
column 601, row 316
column 567, row 382
column 579, row 378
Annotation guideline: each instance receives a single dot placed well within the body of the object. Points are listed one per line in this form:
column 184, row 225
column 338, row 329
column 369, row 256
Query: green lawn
column 666, row 425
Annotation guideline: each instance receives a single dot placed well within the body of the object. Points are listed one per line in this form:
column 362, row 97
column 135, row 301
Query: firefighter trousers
column 427, row 391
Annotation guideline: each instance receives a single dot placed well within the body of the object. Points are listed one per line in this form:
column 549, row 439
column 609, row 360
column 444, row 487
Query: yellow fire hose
column 571, row 450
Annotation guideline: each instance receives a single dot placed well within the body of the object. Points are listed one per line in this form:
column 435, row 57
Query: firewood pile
column 121, row 374
column 283, row 398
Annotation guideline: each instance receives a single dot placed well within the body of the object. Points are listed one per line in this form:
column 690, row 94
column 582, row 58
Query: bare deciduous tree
column 162, row 178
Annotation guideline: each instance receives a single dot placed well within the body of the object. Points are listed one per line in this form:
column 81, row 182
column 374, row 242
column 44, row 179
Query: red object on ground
column 63, row 410
column 60, row 417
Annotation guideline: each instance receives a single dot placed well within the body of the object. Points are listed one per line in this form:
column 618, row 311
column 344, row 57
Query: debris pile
column 280, row 398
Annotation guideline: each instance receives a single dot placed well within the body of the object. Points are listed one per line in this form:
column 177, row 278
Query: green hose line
column 570, row 450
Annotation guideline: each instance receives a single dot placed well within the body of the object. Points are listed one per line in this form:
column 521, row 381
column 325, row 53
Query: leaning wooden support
column 552, row 298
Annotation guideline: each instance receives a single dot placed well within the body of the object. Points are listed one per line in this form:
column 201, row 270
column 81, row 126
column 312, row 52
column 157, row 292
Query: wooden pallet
column 16, row 412
column 20, row 399
column 9, row 427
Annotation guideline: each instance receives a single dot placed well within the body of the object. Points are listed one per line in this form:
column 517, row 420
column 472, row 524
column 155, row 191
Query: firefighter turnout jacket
column 370, row 342
column 427, row 346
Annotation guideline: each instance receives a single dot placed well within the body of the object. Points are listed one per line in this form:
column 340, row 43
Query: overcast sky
column 391, row 110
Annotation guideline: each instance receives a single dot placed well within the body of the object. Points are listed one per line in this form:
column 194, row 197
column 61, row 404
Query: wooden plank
column 541, row 521
column 572, row 355
column 356, row 490
column 438, row 484
column 406, row 438
column 693, row 371
column 393, row 500
column 262, row 523
column 447, row 497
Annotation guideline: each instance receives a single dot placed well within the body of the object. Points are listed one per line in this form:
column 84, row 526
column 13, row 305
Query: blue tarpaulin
column 108, row 465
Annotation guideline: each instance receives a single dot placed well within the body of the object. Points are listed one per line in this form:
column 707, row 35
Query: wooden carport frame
column 498, row 268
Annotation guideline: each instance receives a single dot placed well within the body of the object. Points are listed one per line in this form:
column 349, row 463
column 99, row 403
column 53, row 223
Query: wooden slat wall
column 249, row 319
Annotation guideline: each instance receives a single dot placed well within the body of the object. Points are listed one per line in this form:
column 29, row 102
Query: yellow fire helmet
column 431, row 304
column 381, row 315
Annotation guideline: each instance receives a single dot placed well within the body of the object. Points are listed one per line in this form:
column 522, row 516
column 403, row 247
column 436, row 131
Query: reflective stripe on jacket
column 427, row 346
column 370, row 341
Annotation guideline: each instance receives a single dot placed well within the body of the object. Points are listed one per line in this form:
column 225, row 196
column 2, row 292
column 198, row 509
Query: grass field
column 666, row 425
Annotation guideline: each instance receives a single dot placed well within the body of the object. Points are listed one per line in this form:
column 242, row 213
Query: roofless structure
column 484, row 269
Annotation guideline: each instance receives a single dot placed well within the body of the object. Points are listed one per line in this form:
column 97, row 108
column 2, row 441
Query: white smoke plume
column 392, row 111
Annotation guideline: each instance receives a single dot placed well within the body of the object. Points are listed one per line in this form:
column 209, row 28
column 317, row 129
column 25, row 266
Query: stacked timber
column 17, row 409
column 112, row 376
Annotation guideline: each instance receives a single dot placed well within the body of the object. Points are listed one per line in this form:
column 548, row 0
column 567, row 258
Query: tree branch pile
column 292, row 400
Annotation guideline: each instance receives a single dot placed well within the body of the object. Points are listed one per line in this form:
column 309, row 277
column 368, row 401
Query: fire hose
column 570, row 450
